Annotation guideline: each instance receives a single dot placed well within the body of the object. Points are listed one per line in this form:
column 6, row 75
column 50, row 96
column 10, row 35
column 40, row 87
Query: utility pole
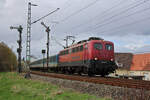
column 28, row 52
column 20, row 46
column 47, row 30
column 69, row 38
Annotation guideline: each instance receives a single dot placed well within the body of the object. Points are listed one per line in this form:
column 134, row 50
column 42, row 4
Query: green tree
column 8, row 59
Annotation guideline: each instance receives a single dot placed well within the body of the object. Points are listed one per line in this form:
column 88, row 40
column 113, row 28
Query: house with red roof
column 141, row 65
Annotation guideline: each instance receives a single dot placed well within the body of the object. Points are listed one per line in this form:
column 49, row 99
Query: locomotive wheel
column 90, row 73
column 79, row 73
column 102, row 75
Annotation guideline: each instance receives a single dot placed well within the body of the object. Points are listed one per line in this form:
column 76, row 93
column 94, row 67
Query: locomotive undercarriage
column 91, row 68
column 101, row 68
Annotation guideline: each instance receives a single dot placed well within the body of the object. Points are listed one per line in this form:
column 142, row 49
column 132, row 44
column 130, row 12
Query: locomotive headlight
column 95, row 58
column 111, row 59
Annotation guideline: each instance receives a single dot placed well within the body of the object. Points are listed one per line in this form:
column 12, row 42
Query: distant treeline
column 8, row 59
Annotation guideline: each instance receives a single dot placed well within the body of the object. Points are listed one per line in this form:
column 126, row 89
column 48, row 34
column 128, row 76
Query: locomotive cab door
column 85, row 54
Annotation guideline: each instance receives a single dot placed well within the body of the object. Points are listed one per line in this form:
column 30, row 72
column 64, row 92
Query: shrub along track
column 127, row 83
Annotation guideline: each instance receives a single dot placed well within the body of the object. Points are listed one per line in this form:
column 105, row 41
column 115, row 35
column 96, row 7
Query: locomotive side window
column 67, row 51
column 70, row 51
column 86, row 47
column 62, row 52
column 98, row 46
column 81, row 48
column 76, row 49
column 73, row 50
column 108, row 47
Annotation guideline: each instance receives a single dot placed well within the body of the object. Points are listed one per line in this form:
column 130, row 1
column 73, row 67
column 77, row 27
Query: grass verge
column 15, row 87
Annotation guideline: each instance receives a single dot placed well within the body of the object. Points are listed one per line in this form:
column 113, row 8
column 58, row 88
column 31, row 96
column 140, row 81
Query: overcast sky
column 124, row 22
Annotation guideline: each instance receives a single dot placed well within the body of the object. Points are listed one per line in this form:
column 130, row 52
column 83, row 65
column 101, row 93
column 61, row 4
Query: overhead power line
column 53, row 38
column 123, row 17
column 64, row 8
column 119, row 27
column 122, row 12
column 45, row 16
column 102, row 13
column 80, row 10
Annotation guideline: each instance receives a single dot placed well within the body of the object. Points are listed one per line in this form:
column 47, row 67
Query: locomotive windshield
column 108, row 47
column 98, row 46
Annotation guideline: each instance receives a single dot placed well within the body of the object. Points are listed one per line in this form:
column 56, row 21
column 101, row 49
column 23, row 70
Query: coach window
column 98, row 46
column 108, row 47
column 50, row 60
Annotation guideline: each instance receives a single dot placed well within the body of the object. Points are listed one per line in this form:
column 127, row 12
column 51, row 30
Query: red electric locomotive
column 94, row 56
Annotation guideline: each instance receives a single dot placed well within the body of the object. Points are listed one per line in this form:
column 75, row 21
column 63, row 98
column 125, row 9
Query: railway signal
column 19, row 29
column 47, row 30
column 29, row 23
column 43, row 52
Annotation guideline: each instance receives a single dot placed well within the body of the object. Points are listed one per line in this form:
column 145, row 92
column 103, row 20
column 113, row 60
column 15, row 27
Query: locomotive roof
column 85, row 41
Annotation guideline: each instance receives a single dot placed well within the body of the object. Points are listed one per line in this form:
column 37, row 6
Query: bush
column 8, row 59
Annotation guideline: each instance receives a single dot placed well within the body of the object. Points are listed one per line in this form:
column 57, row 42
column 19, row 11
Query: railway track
column 127, row 83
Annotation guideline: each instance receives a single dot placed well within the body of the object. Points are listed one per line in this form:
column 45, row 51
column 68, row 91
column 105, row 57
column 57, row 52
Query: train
column 94, row 56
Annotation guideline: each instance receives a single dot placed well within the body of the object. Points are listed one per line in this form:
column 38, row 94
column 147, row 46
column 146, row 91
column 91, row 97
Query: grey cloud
column 2, row 3
column 14, row 12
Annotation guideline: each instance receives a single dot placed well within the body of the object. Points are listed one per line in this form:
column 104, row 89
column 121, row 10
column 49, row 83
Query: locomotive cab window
column 98, row 46
column 108, row 47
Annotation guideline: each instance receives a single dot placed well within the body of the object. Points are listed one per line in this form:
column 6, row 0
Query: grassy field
column 15, row 87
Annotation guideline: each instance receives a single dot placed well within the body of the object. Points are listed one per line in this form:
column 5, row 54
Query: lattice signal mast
column 29, row 23
column 28, row 33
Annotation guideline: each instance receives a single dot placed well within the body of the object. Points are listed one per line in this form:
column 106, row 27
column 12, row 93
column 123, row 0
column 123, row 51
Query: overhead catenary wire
column 122, row 12
column 124, row 25
column 64, row 8
column 53, row 38
column 122, row 17
column 80, row 10
column 135, row 5
column 102, row 13
column 45, row 16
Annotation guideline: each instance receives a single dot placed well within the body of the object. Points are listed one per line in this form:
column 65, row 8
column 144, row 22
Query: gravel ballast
column 101, row 90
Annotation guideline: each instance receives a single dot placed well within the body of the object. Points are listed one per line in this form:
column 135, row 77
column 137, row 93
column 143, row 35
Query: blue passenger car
column 53, row 61
column 38, row 64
